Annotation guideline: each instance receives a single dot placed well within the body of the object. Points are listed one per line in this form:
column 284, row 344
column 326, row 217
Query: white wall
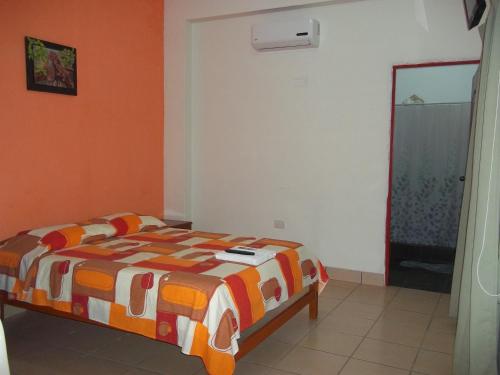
column 437, row 84
column 301, row 136
column 178, row 14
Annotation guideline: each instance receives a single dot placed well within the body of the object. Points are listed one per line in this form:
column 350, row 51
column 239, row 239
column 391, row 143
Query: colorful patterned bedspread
column 163, row 283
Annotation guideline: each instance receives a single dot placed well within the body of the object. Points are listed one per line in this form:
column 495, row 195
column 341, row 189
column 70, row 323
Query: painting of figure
column 50, row 67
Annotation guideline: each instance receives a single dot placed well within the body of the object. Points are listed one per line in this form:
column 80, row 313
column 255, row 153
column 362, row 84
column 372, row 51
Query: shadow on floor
column 418, row 278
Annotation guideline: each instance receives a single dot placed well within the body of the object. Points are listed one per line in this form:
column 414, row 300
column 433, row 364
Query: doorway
column 431, row 115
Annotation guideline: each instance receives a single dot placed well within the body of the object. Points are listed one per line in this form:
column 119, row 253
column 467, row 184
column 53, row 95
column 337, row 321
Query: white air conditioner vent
column 298, row 33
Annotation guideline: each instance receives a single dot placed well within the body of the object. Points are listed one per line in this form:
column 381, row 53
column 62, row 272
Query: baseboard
column 371, row 278
column 367, row 278
column 342, row 274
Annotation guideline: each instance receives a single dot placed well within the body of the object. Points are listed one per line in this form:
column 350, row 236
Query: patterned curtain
column 430, row 154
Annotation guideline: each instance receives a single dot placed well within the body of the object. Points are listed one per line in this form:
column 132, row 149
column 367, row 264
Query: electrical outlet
column 279, row 224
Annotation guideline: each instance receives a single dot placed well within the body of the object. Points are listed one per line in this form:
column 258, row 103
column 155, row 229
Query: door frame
column 395, row 68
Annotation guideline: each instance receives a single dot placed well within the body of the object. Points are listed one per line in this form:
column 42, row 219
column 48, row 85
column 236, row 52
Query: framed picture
column 50, row 67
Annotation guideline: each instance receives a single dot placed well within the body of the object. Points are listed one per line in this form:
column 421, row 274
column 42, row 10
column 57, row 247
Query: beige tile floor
column 361, row 330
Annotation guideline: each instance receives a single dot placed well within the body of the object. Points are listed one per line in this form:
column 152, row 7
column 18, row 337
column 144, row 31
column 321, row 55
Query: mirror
column 430, row 135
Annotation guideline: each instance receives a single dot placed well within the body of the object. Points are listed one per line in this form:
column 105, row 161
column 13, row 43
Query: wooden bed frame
column 245, row 345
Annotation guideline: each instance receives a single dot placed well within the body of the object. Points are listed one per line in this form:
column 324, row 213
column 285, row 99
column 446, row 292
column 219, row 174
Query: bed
column 133, row 273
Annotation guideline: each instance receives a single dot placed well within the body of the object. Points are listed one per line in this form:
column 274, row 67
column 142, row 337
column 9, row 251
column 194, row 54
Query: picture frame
column 50, row 67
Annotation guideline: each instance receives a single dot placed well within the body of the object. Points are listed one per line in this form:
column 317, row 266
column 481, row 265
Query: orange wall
column 65, row 158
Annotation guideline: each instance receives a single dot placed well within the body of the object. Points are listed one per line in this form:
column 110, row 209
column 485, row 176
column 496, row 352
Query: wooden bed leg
column 313, row 305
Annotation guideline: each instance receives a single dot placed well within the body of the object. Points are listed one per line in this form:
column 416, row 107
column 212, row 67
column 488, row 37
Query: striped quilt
column 133, row 273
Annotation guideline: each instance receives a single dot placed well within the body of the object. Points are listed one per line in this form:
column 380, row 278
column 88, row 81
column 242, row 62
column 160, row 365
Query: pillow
column 128, row 223
column 68, row 235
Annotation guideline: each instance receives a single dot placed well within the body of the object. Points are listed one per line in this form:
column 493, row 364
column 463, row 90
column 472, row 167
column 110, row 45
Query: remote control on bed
column 242, row 252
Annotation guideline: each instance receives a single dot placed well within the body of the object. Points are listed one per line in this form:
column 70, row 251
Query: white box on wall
column 296, row 33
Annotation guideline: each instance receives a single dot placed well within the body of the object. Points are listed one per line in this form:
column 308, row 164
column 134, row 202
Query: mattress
column 163, row 283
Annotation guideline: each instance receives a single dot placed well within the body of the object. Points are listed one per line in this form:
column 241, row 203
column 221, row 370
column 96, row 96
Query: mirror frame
column 395, row 69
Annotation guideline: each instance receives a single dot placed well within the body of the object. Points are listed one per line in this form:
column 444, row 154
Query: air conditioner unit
column 299, row 33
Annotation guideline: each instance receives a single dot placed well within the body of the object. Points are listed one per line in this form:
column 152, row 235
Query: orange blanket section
column 216, row 363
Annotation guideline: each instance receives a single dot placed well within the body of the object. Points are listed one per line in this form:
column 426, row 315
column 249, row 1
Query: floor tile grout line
column 385, row 303
column 130, row 366
column 350, row 292
column 288, row 351
column 382, row 364
column 344, row 365
column 425, row 334
column 393, row 343
column 361, row 341
column 274, row 368
column 343, row 300
column 297, row 344
column 349, row 357
column 365, row 337
column 420, row 347
column 384, row 309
